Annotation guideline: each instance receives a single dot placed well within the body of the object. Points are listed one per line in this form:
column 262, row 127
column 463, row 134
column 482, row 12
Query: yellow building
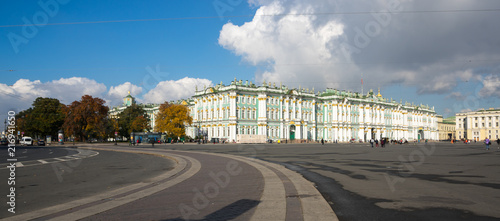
column 446, row 128
column 478, row 125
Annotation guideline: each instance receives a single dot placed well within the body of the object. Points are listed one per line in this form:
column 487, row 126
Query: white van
column 27, row 141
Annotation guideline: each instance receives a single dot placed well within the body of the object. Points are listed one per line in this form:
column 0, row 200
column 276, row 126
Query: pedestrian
column 371, row 142
column 487, row 142
column 498, row 143
column 376, row 142
column 322, row 141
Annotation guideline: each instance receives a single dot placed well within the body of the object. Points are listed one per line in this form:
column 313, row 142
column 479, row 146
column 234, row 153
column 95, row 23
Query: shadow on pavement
column 230, row 211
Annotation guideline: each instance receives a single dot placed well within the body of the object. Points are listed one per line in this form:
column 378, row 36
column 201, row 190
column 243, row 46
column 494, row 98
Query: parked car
column 41, row 142
column 27, row 141
column 4, row 142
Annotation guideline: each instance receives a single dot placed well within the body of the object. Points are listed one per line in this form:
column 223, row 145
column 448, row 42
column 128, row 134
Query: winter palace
column 279, row 113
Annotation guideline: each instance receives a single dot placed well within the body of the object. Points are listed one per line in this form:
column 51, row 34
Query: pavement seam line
column 93, row 210
column 314, row 206
column 66, row 206
column 76, row 156
column 273, row 199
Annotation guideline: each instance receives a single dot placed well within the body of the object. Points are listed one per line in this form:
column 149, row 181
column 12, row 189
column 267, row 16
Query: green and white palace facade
column 280, row 113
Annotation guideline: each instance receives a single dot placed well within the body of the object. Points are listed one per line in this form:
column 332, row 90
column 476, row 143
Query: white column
column 232, row 116
column 299, row 103
column 262, row 119
column 336, row 133
column 349, row 133
column 361, row 133
column 335, row 113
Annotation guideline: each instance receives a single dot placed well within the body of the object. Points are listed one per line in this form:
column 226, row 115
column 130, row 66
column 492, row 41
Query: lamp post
column 132, row 136
column 5, row 126
column 116, row 132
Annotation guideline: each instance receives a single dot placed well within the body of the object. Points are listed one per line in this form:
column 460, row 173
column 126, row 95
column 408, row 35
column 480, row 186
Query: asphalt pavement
column 434, row 181
column 55, row 182
column 201, row 186
column 416, row 181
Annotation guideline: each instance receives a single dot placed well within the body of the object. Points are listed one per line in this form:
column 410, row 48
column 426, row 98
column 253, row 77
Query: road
column 438, row 181
column 200, row 186
column 64, row 179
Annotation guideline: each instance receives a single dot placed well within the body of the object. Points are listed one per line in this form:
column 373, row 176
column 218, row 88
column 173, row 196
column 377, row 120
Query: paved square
column 412, row 181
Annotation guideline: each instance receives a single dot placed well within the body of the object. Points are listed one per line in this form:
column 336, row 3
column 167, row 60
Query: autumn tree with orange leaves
column 173, row 119
column 140, row 123
column 87, row 118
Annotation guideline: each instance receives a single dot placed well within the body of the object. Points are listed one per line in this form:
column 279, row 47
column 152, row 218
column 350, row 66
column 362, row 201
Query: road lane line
column 272, row 204
column 314, row 206
column 181, row 164
column 42, row 161
column 93, row 210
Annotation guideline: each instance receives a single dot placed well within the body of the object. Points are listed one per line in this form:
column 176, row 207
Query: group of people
column 376, row 141
column 488, row 143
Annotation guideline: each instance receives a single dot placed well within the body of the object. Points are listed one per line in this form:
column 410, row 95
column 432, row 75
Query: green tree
column 127, row 117
column 45, row 117
column 87, row 118
column 173, row 119
column 24, row 121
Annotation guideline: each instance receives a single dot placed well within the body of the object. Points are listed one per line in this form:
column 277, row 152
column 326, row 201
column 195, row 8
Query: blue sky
column 115, row 53
column 449, row 60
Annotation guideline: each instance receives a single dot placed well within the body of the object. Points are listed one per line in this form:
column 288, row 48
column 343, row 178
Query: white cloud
column 298, row 47
column 116, row 94
column 23, row 92
column 457, row 96
column 308, row 46
column 68, row 90
column 175, row 90
column 491, row 86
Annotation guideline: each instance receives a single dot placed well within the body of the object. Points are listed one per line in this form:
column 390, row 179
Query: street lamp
column 116, row 133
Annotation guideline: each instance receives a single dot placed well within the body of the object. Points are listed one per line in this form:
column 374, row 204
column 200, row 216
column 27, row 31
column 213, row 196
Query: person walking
column 322, row 142
column 371, row 142
column 487, row 142
column 498, row 143
column 376, row 142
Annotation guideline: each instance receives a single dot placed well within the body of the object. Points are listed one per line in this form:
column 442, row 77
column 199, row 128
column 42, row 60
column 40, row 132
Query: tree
column 24, row 121
column 172, row 119
column 87, row 118
column 46, row 117
column 140, row 123
column 128, row 116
